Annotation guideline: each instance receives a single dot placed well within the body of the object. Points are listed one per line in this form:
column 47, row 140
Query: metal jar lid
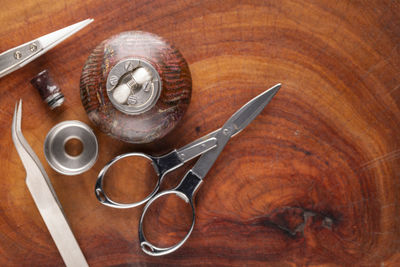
column 59, row 159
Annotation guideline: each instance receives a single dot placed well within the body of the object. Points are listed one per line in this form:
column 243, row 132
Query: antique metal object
column 18, row 57
column 55, row 151
column 45, row 197
column 48, row 90
column 209, row 147
column 135, row 87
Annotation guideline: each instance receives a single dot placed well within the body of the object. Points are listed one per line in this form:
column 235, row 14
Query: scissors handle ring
column 105, row 200
column 184, row 190
column 153, row 250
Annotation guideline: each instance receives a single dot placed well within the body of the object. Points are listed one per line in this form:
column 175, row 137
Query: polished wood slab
column 314, row 180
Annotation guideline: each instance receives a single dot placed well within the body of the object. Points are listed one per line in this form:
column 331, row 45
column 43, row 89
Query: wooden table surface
column 314, row 180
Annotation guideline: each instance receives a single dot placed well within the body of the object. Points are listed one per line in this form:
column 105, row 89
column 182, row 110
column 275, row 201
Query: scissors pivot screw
column 226, row 131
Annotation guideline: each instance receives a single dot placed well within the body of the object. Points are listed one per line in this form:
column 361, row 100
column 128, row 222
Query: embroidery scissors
column 209, row 147
column 19, row 56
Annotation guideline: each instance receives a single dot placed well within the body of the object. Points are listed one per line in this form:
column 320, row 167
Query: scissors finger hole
column 130, row 179
column 168, row 220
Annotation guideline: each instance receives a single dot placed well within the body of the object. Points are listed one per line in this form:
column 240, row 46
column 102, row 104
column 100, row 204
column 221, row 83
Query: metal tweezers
column 19, row 56
column 45, row 197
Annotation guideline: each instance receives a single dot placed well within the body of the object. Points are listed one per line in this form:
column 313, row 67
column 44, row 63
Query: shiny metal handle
column 162, row 165
column 198, row 147
column 16, row 57
column 184, row 190
column 102, row 196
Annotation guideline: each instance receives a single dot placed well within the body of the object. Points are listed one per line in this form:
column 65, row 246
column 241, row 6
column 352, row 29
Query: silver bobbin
column 59, row 159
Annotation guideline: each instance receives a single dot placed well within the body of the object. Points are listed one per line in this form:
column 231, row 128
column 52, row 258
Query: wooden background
column 314, row 180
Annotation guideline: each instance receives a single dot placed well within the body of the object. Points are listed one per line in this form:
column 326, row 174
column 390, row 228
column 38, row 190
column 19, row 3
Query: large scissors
column 19, row 56
column 209, row 146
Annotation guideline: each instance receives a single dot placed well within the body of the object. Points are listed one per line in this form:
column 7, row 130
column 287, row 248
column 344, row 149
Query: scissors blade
column 250, row 111
column 233, row 126
column 19, row 56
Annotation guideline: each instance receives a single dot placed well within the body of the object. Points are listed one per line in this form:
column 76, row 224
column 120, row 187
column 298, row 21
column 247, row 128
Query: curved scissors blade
column 233, row 126
column 19, row 56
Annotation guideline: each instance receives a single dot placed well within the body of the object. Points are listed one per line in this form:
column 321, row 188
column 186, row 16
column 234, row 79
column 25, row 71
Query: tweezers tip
column 14, row 116
column 19, row 114
column 86, row 22
column 16, row 119
column 80, row 25
column 277, row 86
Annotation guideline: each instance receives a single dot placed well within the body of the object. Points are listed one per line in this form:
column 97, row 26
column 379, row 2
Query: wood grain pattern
column 170, row 107
column 314, row 180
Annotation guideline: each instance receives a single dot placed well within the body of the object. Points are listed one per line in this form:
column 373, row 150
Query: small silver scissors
column 19, row 56
column 209, row 146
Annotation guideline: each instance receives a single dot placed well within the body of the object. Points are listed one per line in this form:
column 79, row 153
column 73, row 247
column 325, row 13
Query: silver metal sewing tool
column 19, row 56
column 45, row 197
column 209, row 146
